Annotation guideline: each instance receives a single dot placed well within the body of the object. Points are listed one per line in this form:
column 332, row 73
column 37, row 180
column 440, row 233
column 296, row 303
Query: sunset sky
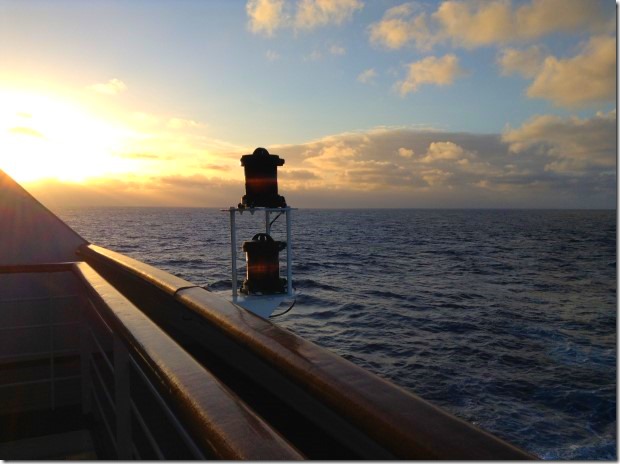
column 372, row 103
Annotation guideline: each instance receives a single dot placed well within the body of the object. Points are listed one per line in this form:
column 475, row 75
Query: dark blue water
column 505, row 318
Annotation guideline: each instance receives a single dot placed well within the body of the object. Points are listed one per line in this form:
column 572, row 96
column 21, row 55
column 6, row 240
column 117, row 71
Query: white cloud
column 585, row 79
column 399, row 26
column 476, row 23
column 112, row 87
column 314, row 13
column 265, row 15
column 526, row 62
column 405, row 152
column 443, row 151
column 367, row 76
column 430, row 70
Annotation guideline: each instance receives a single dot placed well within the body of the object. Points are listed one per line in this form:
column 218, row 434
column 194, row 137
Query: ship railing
column 361, row 414
column 149, row 398
column 154, row 400
column 107, row 368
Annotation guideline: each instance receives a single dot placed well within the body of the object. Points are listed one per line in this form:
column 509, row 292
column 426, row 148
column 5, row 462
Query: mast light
column 263, row 266
column 261, row 180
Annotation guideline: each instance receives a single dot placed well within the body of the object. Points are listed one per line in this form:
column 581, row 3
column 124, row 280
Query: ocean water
column 506, row 318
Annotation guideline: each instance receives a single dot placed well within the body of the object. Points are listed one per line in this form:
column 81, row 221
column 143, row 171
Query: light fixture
column 263, row 266
column 261, row 180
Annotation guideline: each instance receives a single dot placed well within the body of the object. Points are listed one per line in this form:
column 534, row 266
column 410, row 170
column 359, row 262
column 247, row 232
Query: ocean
column 505, row 318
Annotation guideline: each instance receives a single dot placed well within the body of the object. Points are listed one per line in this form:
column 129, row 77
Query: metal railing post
column 52, row 370
column 122, row 399
column 233, row 252
column 85, row 354
column 289, row 258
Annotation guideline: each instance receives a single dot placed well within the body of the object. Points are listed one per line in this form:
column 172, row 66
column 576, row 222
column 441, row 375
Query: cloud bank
column 549, row 162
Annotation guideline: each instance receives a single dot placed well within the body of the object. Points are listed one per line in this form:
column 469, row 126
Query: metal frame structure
column 233, row 247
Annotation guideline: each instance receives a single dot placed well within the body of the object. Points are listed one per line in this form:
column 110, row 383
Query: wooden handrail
column 402, row 423
column 217, row 420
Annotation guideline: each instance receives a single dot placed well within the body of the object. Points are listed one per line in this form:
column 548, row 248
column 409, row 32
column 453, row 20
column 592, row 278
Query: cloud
column 374, row 175
column 265, row 15
column 27, row 131
column 549, row 161
column 472, row 24
column 337, row 50
column 313, row 13
column 585, row 79
column 137, row 191
column 430, row 70
column 146, row 156
column 196, row 181
column 405, row 152
column 476, row 23
column 434, row 177
column 526, row 63
column 182, row 123
column 144, row 119
column 156, row 140
column 570, row 144
column 112, row 87
column 367, row 76
column 298, row 174
column 540, row 164
column 215, row 167
column 443, row 151
column 399, row 27
column 543, row 17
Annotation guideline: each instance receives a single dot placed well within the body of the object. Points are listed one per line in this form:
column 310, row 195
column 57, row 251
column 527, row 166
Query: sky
column 372, row 103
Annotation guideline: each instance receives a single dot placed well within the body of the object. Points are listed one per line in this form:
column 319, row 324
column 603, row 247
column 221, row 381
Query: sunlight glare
column 42, row 137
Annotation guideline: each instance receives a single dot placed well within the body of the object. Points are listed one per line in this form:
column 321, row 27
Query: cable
column 274, row 220
column 283, row 313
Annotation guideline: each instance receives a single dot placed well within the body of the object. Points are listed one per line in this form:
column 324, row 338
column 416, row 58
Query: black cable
column 283, row 313
column 274, row 220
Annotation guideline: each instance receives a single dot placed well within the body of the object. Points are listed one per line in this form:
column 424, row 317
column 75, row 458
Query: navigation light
column 263, row 266
column 261, row 180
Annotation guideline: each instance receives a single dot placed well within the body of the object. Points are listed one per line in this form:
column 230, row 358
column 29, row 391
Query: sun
column 43, row 137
